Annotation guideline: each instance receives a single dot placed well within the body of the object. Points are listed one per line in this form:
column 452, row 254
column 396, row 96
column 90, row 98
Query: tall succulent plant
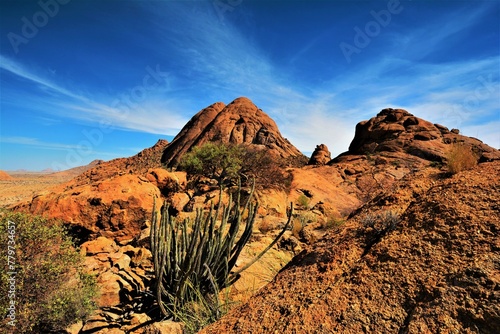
column 197, row 258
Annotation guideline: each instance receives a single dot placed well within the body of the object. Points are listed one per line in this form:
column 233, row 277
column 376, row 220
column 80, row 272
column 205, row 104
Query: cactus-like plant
column 193, row 258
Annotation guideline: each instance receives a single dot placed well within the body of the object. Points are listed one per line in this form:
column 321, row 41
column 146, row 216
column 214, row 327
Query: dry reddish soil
column 438, row 271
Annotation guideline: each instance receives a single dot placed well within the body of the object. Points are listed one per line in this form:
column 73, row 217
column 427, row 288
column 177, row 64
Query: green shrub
column 226, row 163
column 303, row 201
column 49, row 290
column 333, row 223
column 214, row 160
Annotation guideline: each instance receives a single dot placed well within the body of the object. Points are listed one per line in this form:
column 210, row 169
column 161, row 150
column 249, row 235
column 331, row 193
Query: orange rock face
column 240, row 122
column 115, row 208
column 113, row 199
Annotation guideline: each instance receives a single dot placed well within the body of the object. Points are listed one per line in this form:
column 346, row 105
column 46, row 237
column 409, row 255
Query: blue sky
column 84, row 80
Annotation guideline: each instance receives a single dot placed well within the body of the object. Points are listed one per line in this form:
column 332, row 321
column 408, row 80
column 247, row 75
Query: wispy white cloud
column 21, row 71
column 151, row 113
column 487, row 132
column 37, row 143
column 215, row 52
column 156, row 117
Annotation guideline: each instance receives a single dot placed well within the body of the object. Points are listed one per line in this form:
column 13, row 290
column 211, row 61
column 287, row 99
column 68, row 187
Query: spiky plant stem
column 189, row 262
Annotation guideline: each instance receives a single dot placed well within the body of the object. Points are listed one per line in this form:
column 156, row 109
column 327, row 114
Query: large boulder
column 398, row 131
column 321, row 156
column 114, row 208
column 113, row 199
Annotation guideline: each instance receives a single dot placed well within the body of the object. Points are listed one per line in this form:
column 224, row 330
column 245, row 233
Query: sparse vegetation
column 380, row 224
column 194, row 261
column 202, row 310
column 267, row 172
column 307, row 217
column 303, row 201
column 332, row 223
column 47, row 289
column 297, row 226
column 385, row 221
column 459, row 158
column 213, row 160
column 227, row 163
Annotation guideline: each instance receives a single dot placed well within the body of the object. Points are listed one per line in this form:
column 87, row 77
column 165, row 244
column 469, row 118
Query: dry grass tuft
column 459, row 158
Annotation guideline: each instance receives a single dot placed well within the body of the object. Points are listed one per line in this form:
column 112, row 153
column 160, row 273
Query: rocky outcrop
column 425, row 267
column 138, row 164
column 240, row 122
column 397, row 131
column 115, row 208
column 113, row 199
column 125, row 299
column 321, row 156
column 421, row 258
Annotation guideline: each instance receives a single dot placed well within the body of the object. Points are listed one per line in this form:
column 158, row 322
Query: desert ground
column 23, row 185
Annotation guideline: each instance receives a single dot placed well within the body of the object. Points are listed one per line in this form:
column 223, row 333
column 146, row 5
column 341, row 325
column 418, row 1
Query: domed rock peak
column 397, row 130
column 240, row 122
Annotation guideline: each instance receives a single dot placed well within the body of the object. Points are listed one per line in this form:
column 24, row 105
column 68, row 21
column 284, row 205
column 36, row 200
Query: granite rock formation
column 240, row 122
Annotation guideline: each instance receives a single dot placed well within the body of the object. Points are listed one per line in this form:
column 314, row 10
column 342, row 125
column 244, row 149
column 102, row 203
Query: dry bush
column 459, row 158
column 301, row 221
column 267, row 171
column 227, row 163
